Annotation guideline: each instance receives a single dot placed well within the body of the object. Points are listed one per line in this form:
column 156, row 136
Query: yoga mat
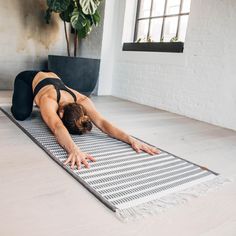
column 128, row 183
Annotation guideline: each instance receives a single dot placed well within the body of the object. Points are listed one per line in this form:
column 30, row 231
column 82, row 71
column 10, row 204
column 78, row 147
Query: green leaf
column 82, row 33
column 78, row 20
column 58, row 5
column 89, row 6
column 80, row 23
column 174, row 39
column 66, row 15
column 88, row 27
column 96, row 18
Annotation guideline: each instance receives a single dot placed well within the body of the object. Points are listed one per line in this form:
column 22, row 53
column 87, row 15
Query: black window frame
column 156, row 46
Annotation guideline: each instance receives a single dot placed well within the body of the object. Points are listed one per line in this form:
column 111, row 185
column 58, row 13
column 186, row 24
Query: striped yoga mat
column 130, row 184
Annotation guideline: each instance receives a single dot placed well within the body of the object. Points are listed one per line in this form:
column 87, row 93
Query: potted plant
column 78, row 73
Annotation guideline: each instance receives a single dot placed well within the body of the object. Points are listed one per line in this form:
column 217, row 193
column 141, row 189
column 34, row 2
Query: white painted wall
column 26, row 40
column 108, row 46
column 199, row 83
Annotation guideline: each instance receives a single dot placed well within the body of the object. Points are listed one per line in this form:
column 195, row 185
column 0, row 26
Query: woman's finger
column 157, row 151
column 67, row 161
column 91, row 158
column 154, row 150
column 146, row 149
column 136, row 148
column 78, row 164
column 73, row 163
column 150, row 149
column 85, row 163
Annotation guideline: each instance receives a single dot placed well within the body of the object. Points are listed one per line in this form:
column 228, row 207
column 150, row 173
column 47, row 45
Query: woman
column 64, row 111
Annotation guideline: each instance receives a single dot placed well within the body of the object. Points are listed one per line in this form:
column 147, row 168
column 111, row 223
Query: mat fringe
column 159, row 205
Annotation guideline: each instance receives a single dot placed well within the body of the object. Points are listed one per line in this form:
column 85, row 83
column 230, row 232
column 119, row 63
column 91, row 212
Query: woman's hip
column 26, row 76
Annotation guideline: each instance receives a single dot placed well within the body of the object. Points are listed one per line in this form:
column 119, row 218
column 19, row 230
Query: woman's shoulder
column 79, row 96
column 44, row 74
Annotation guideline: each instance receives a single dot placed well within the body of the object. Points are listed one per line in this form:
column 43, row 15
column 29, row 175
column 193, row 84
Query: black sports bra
column 58, row 85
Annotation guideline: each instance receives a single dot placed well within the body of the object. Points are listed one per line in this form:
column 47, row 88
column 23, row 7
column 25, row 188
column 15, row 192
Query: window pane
column 173, row 7
column 170, row 28
column 183, row 28
column 186, row 6
column 145, row 7
column 155, row 29
column 158, row 7
column 142, row 30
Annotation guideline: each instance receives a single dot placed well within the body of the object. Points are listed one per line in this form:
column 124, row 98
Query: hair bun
column 84, row 123
column 87, row 125
column 83, row 119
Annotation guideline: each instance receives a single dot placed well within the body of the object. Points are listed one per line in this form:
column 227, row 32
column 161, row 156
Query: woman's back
column 42, row 88
column 49, row 91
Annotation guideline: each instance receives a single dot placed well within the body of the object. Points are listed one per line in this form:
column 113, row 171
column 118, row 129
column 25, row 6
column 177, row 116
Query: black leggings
column 22, row 100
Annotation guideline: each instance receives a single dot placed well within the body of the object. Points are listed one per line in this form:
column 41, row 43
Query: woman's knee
column 19, row 82
column 19, row 114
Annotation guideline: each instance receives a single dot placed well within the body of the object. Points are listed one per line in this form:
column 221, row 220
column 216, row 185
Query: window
column 161, row 20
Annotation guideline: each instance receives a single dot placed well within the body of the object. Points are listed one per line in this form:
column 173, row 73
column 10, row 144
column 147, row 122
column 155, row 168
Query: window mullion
column 136, row 20
column 149, row 23
column 180, row 9
column 163, row 22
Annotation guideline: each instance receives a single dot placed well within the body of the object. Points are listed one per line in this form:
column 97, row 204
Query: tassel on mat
column 157, row 206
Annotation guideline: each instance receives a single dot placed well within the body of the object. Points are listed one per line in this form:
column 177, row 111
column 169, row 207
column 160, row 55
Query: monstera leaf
column 58, row 5
column 66, row 15
column 84, row 31
column 95, row 18
column 89, row 6
column 80, row 23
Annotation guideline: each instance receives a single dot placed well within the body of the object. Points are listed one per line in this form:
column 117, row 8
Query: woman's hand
column 140, row 146
column 77, row 157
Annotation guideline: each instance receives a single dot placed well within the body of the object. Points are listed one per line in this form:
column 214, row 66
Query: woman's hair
column 75, row 120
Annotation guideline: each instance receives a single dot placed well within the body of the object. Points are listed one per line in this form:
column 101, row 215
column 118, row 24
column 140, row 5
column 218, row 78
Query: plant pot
column 80, row 74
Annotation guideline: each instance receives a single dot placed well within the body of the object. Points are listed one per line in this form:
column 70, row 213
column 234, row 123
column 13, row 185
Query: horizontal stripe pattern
column 119, row 176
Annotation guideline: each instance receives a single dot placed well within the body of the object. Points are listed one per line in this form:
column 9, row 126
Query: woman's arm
column 75, row 155
column 114, row 131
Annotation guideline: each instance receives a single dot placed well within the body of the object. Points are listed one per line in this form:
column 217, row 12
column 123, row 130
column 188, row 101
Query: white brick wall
column 199, row 83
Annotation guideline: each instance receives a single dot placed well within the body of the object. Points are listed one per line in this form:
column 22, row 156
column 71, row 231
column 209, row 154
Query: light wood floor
column 38, row 198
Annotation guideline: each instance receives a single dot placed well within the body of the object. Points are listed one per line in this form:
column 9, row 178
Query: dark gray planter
column 77, row 73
